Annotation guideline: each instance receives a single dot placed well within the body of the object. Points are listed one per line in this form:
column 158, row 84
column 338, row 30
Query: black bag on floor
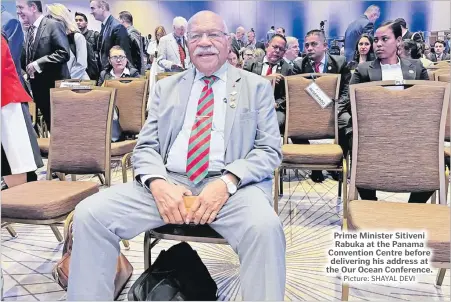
column 178, row 274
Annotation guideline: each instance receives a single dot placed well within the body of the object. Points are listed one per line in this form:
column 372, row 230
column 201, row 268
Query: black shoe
column 335, row 175
column 317, row 176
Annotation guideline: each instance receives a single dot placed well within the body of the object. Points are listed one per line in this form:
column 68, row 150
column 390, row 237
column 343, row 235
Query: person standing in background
column 136, row 41
column 78, row 62
column 92, row 40
column 46, row 53
column 363, row 25
column 152, row 48
column 172, row 50
column 112, row 32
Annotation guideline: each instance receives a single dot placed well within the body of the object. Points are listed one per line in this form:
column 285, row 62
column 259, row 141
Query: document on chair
column 318, row 95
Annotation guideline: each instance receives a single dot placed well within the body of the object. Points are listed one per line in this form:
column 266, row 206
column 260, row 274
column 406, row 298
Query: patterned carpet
column 315, row 209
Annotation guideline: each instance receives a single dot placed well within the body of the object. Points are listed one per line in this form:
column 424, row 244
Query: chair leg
column 11, row 231
column 276, row 190
column 147, row 240
column 126, row 244
column 344, row 292
column 434, row 198
column 281, row 181
column 73, row 177
column 57, row 233
column 440, row 276
column 345, row 191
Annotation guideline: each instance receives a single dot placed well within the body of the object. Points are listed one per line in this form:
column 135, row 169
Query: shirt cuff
column 144, row 178
column 36, row 67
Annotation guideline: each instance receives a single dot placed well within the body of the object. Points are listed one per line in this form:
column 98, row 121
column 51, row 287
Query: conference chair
column 131, row 104
column 74, row 149
column 385, row 158
column 306, row 119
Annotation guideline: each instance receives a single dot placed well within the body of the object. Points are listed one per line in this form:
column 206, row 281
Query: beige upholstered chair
column 397, row 134
column 75, row 82
column 74, row 149
column 131, row 103
column 436, row 71
column 307, row 120
column 163, row 75
column 446, row 78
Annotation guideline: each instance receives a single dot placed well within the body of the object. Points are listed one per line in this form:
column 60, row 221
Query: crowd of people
column 225, row 151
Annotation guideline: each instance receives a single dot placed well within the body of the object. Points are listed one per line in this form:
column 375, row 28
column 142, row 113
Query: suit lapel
column 408, row 70
column 40, row 29
column 233, row 96
column 175, row 48
column 105, row 32
column 178, row 114
column 375, row 71
column 330, row 67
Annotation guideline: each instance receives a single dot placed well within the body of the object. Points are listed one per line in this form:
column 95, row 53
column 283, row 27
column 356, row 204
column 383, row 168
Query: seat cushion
column 396, row 216
column 41, row 200
column 326, row 154
column 447, row 151
column 123, row 147
column 44, row 145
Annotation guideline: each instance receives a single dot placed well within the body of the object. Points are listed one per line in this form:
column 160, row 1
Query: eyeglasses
column 117, row 58
column 213, row 35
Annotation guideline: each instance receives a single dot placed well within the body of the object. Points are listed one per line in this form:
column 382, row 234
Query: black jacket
column 371, row 72
column 106, row 75
column 335, row 65
column 283, row 68
column 113, row 34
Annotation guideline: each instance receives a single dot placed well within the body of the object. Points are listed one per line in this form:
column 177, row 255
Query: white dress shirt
column 266, row 66
column 392, row 72
column 36, row 25
column 125, row 72
column 177, row 156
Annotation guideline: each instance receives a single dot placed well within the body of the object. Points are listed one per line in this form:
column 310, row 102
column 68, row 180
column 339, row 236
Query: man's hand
column 30, row 70
column 169, row 200
column 208, row 203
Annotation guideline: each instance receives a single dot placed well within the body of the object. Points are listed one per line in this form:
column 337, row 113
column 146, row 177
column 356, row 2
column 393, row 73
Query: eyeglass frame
column 191, row 40
column 116, row 58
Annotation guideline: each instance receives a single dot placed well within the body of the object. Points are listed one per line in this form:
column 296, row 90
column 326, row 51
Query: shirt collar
column 106, row 20
column 265, row 60
column 38, row 21
column 323, row 60
column 126, row 72
column 221, row 73
column 390, row 65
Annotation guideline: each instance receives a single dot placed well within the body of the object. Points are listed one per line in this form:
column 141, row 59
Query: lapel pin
column 224, row 100
column 410, row 71
column 232, row 104
column 233, row 93
column 329, row 68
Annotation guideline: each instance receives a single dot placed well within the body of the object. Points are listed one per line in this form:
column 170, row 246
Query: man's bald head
column 208, row 41
column 207, row 16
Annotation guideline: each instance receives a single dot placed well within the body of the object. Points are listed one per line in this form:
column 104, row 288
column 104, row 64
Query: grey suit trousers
column 247, row 221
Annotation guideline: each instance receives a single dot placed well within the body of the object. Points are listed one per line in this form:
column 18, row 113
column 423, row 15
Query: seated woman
column 363, row 51
column 410, row 49
column 118, row 68
column 233, row 59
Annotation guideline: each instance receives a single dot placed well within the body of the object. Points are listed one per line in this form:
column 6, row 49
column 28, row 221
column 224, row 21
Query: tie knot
column 210, row 80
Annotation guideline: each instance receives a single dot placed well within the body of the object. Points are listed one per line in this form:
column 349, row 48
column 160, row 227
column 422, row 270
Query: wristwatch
column 231, row 187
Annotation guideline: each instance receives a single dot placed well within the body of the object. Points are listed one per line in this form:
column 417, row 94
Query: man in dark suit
column 273, row 64
column 112, row 32
column 46, row 53
column 407, row 34
column 252, row 42
column 387, row 66
column 363, row 25
column 319, row 61
column 237, row 42
column 440, row 54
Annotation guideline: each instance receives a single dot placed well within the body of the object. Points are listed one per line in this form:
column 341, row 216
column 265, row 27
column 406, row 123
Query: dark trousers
column 41, row 96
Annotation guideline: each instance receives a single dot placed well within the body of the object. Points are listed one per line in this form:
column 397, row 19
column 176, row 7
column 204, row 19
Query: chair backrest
column 398, row 136
column 147, row 74
column 131, row 102
column 442, row 64
column 81, row 131
column 445, row 77
column 163, row 75
column 75, row 82
column 304, row 116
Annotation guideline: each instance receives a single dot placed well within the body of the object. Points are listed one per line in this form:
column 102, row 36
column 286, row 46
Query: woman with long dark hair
column 363, row 51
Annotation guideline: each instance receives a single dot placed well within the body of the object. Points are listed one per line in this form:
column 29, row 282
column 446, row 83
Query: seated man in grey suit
column 224, row 150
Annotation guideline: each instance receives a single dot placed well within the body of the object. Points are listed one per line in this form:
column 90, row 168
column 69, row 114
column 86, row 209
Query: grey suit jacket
column 168, row 53
column 251, row 132
column 371, row 72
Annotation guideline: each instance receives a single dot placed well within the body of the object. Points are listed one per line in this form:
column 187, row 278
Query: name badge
column 318, row 95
